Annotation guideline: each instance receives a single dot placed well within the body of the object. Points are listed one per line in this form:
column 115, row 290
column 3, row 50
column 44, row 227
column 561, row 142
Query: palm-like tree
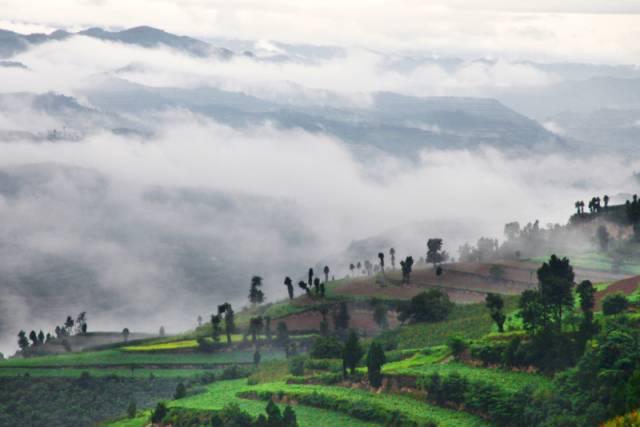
column 326, row 273
column 289, row 284
column 381, row 256
column 606, row 201
column 310, row 277
column 352, row 267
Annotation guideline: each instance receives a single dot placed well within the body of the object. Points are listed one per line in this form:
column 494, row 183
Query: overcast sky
column 578, row 30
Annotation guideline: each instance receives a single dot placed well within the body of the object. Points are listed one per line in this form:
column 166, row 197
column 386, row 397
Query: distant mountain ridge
column 12, row 43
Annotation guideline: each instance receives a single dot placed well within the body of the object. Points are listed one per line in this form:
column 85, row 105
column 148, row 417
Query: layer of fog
column 311, row 183
column 72, row 65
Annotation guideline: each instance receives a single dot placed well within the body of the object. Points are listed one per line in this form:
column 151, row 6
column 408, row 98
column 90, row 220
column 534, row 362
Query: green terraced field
column 507, row 380
column 417, row 411
column 120, row 372
column 223, row 392
column 117, row 358
column 471, row 321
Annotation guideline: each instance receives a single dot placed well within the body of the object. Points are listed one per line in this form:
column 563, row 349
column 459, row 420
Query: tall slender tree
column 392, row 255
column 381, row 257
column 310, row 277
column 289, row 284
column 256, row 296
column 326, row 273
column 229, row 322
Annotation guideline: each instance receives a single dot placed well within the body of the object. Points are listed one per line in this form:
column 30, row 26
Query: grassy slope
column 507, row 380
column 417, row 411
column 470, row 321
column 221, row 393
column 116, row 357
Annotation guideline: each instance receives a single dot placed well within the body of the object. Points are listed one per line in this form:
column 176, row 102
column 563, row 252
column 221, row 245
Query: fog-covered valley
column 146, row 176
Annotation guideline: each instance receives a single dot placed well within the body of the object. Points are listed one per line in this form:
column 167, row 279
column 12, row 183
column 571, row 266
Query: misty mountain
column 577, row 96
column 74, row 240
column 610, row 128
column 393, row 123
column 12, row 43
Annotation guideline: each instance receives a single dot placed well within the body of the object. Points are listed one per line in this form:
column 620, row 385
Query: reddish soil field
column 625, row 286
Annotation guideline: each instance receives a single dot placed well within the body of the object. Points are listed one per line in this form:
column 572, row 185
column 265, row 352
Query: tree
column 392, row 256
column 359, row 266
column 274, row 417
column 556, row 283
column 368, row 267
column 352, row 267
column 429, row 306
column 199, row 320
column 125, row 334
column 457, row 345
column 434, row 256
column 341, row 318
column 23, row 341
column 255, row 327
column 68, row 325
column 81, row 323
column 603, row 237
column 41, row 337
column 131, row 409
column 381, row 257
column 606, row 201
column 614, row 304
column 229, row 322
column 532, row 311
column 316, row 285
column 586, row 293
column 375, row 360
column 216, row 319
column 159, row 413
column 310, row 274
column 326, row 347
column 289, row 284
column 351, row 354
column 256, row 296
column 181, row 391
column 282, row 335
column 495, row 304
column 326, row 273
column 34, row 338
column 289, row 417
column 406, row 266
column 303, row 285
column 379, row 313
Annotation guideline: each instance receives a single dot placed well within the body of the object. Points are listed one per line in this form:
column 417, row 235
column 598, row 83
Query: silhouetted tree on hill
column 351, row 268
column 381, row 257
column 34, row 338
column 199, row 320
column 125, row 334
column 316, row 286
column 23, row 341
column 434, row 256
column 255, row 327
column 326, row 273
column 289, row 284
column 406, row 266
column 256, row 296
column 368, row 267
column 216, row 319
column 310, row 277
column 303, row 285
column 359, row 266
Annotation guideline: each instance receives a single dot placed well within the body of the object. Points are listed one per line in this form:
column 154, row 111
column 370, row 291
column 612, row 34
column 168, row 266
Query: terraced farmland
column 224, row 392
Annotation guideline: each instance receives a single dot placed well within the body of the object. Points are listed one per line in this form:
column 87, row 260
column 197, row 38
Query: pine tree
column 375, row 360
column 352, row 353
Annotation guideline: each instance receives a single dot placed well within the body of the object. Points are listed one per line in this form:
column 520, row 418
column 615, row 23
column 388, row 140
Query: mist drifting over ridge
column 115, row 207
